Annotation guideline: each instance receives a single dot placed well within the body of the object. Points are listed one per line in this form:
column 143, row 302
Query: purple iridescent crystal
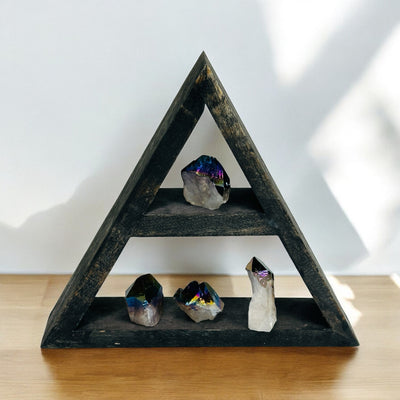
column 199, row 301
column 262, row 310
column 206, row 184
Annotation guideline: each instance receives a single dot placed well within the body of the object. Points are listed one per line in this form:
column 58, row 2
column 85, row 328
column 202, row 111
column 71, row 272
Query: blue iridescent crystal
column 206, row 184
column 144, row 299
column 199, row 301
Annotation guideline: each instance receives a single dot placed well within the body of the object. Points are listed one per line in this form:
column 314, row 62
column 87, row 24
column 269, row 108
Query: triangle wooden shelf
column 80, row 319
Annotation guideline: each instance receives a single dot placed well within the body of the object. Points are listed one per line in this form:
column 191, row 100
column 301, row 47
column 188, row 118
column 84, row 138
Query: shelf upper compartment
column 171, row 215
column 106, row 324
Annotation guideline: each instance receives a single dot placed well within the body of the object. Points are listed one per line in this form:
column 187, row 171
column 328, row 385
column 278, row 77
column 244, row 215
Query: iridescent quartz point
column 199, row 301
column 205, row 183
column 262, row 310
column 144, row 299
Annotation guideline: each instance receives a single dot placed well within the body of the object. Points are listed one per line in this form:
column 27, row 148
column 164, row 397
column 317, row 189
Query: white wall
column 84, row 85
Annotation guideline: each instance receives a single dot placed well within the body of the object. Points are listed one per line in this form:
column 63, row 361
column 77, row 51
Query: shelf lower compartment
column 106, row 324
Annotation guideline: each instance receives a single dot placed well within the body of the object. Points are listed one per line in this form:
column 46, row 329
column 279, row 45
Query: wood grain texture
column 134, row 213
column 271, row 200
column 171, row 215
column 106, row 324
column 368, row 372
column 136, row 196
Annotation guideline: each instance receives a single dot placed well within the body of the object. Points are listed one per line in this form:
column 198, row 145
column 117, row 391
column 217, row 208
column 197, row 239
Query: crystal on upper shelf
column 144, row 299
column 205, row 183
column 199, row 301
column 262, row 310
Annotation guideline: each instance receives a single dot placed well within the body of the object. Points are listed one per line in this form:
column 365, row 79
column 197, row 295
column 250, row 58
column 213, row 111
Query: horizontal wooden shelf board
column 167, row 201
column 301, row 313
column 106, row 324
column 171, row 215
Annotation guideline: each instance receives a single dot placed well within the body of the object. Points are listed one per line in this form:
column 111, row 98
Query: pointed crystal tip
column 260, row 271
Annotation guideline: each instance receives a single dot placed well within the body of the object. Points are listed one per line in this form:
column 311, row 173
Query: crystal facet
column 262, row 310
column 206, row 184
column 144, row 299
column 199, row 301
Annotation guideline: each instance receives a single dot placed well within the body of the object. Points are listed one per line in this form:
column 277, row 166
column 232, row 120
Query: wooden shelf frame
column 143, row 209
column 171, row 215
column 106, row 324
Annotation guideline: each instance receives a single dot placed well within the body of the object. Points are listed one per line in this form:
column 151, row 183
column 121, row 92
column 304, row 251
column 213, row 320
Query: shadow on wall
column 281, row 121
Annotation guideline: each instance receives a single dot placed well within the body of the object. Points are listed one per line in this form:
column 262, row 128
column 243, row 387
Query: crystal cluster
column 262, row 310
column 205, row 183
column 144, row 299
column 199, row 301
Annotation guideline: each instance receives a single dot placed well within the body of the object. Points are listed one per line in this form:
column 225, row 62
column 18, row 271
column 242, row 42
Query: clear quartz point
column 262, row 310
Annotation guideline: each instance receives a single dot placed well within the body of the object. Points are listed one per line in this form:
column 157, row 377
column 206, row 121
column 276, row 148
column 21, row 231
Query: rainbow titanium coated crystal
column 199, row 301
column 144, row 299
column 262, row 310
column 206, row 184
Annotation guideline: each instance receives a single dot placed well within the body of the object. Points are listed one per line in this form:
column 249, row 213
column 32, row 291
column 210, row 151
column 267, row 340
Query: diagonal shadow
column 54, row 240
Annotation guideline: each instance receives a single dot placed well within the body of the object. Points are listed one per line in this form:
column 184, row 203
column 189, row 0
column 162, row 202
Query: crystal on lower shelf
column 262, row 310
column 144, row 299
column 205, row 183
column 199, row 301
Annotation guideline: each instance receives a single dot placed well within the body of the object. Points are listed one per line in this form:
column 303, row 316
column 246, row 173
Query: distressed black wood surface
column 144, row 210
column 300, row 323
column 271, row 200
column 133, row 201
column 171, row 215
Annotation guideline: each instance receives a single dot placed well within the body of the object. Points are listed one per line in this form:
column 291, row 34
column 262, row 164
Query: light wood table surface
column 371, row 371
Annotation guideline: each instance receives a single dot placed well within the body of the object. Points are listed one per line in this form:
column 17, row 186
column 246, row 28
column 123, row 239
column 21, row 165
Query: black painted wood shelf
column 171, row 215
column 80, row 319
column 106, row 323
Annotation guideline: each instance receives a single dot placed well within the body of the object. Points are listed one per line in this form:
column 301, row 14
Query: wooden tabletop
column 371, row 371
